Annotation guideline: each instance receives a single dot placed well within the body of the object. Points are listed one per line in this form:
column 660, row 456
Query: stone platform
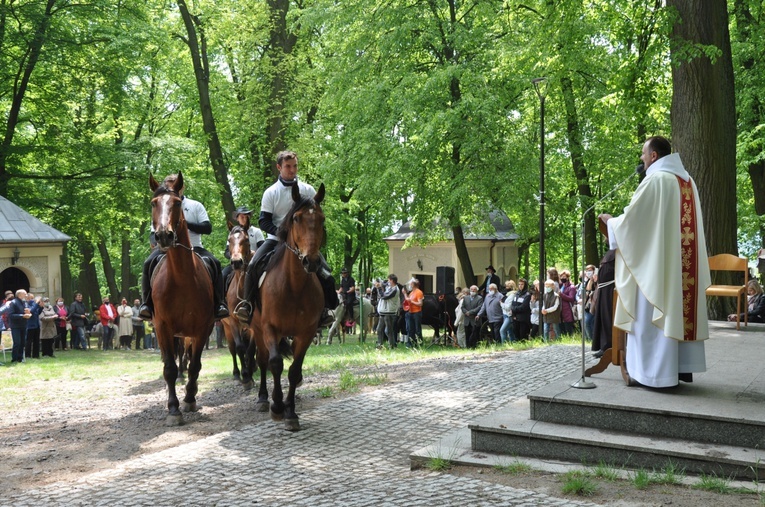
column 715, row 425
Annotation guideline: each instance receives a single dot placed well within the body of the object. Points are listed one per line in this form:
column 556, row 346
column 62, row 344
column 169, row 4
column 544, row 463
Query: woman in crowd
column 755, row 307
column 125, row 326
column 534, row 305
column 506, row 331
column 459, row 318
column 61, row 318
column 550, row 310
column 48, row 331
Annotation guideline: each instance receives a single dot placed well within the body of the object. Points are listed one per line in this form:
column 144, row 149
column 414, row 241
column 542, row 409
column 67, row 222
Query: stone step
column 510, row 431
column 702, row 412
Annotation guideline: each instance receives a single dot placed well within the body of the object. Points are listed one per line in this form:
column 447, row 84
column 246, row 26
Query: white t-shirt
column 256, row 236
column 277, row 200
column 194, row 212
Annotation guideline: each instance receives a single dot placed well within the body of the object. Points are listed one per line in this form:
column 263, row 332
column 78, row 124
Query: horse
column 291, row 299
column 183, row 295
column 237, row 334
column 338, row 326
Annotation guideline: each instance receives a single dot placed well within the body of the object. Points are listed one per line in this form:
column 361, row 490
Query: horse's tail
column 285, row 348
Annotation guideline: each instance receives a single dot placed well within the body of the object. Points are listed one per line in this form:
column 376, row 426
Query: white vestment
column 649, row 278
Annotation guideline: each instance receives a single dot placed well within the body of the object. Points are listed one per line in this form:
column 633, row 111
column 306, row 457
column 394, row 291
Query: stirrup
column 243, row 312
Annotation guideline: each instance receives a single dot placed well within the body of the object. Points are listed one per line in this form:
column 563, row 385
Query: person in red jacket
column 108, row 314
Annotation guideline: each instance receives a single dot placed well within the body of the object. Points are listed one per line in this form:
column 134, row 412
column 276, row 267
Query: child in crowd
column 551, row 310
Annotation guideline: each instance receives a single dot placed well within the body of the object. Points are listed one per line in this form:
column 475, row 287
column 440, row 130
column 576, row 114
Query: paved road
column 351, row 452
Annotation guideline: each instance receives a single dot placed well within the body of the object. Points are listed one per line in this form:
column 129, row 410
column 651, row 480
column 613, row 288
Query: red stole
column 689, row 249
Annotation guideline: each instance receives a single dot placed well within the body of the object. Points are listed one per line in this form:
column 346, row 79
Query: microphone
column 640, row 168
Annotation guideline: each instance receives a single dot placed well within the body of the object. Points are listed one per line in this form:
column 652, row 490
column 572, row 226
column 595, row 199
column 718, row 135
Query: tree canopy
column 417, row 110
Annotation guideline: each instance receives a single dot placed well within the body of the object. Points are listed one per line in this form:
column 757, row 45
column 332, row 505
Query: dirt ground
column 64, row 440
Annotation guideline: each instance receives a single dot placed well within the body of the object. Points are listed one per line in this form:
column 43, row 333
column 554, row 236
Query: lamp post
column 540, row 87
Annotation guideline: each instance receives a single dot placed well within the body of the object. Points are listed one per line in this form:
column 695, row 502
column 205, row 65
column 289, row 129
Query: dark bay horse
column 183, row 295
column 237, row 334
column 291, row 303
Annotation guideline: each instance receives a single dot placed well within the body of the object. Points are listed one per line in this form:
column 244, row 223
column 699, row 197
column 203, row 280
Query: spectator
column 470, row 307
column 78, row 316
column 48, row 331
column 32, row 346
column 125, row 324
column 492, row 310
column 550, row 310
column 108, row 314
column 414, row 328
column 459, row 318
column 138, row 329
column 588, row 286
column 521, row 308
column 388, row 310
column 506, row 332
column 18, row 315
column 61, row 321
column 491, row 278
column 755, row 307
column 568, row 300
column 534, row 319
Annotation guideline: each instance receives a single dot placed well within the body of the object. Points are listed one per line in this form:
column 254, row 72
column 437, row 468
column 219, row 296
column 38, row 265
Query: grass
column 605, row 472
column 578, row 483
column 514, row 468
column 24, row 383
column 438, row 464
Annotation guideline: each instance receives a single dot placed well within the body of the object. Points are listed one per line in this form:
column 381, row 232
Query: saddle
column 161, row 258
column 259, row 274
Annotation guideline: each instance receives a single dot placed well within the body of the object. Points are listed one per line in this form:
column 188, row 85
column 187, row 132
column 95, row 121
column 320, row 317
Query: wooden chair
column 728, row 262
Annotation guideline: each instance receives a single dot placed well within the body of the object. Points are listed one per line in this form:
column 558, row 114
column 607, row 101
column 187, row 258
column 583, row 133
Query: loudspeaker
column 444, row 280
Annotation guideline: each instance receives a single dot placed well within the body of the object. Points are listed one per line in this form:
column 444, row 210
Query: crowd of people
column 39, row 326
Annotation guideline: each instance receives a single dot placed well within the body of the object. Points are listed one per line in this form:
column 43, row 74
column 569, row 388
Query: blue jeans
column 19, row 342
column 78, row 337
column 556, row 327
column 414, row 327
column 506, row 332
column 589, row 325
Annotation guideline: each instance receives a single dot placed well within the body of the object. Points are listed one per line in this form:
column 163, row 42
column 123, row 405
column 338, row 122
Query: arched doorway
column 13, row 279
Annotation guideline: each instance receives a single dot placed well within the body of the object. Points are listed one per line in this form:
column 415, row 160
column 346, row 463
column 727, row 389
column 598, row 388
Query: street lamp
column 540, row 86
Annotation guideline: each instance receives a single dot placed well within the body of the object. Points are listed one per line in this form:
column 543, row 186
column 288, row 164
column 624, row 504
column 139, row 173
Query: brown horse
column 183, row 295
column 291, row 303
column 238, row 335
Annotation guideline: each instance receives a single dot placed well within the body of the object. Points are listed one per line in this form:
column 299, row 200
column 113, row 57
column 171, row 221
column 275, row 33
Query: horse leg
column 195, row 365
column 170, row 373
column 233, row 347
column 262, row 404
column 295, row 375
column 276, row 365
column 245, row 348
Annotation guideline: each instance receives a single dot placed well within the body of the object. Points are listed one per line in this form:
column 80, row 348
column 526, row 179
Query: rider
column 275, row 204
column 198, row 223
column 241, row 216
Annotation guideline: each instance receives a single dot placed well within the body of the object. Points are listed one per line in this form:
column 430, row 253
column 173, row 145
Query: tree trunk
column 198, row 49
column 281, row 43
column 88, row 281
column 109, row 273
column 704, row 119
column 576, row 149
column 462, row 254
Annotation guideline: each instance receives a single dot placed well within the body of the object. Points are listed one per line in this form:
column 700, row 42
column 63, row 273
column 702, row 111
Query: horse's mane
column 235, row 229
column 284, row 228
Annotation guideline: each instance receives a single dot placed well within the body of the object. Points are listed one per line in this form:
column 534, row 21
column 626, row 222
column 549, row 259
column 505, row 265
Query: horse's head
column 166, row 211
column 303, row 229
column 238, row 246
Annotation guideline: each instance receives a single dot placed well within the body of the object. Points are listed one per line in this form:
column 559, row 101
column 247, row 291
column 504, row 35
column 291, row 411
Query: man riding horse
column 198, row 223
column 276, row 203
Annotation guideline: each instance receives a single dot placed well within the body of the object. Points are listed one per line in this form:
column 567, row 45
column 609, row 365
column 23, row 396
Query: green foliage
column 515, row 468
column 417, row 111
column 605, row 471
column 641, row 479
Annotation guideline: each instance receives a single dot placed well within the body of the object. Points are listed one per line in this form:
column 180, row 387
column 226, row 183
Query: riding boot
column 146, row 310
column 221, row 310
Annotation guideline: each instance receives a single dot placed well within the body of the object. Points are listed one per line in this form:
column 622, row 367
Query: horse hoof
column 277, row 417
column 174, row 420
column 189, row 407
column 248, row 385
column 236, row 377
column 261, row 406
column 292, row 424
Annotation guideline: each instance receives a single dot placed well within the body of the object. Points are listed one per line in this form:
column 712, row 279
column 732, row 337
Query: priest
column 662, row 272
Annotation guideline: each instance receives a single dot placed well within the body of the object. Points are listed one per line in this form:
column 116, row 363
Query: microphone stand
column 583, row 383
